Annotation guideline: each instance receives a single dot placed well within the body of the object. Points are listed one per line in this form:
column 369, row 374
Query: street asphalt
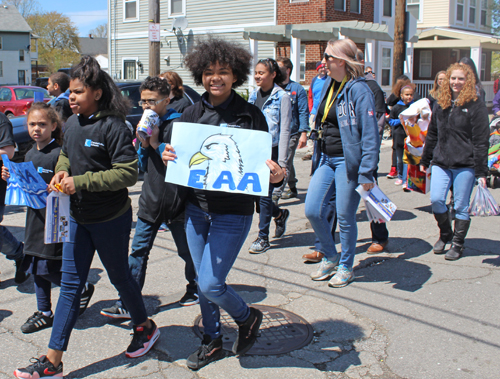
column 408, row 314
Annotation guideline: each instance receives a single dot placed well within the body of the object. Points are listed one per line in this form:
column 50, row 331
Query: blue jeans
column 462, row 180
column 9, row 245
column 43, row 286
column 214, row 242
column 330, row 177
column 144, row 237
column 110, row 239
column 268, row 210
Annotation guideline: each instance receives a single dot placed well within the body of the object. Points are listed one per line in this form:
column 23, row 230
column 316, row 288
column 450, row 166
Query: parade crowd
column 343, row 116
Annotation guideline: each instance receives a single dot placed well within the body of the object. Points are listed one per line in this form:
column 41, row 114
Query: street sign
column 154, row 32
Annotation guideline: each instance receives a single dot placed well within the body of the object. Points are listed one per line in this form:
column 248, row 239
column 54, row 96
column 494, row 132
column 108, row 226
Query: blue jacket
column 358, row 129
column 300, row 109
column 496, row 103
column 278, row 112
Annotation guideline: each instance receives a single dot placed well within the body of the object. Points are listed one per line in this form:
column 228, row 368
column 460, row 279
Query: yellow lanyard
column 329, row 101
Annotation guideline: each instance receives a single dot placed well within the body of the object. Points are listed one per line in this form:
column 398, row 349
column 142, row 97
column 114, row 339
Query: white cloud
column 88, row 19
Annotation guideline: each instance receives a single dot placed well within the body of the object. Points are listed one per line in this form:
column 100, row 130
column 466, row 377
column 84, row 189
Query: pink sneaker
column 398, row 182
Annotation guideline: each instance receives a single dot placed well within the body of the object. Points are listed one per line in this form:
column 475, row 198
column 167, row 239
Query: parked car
column 42, row 82
column 16, row 100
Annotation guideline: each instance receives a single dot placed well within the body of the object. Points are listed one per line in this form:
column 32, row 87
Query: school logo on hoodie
column 42, row 170
column 90, row 143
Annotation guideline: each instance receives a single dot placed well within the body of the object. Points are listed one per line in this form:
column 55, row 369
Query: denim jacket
column 358, row 129
column 278, row 112
column 300, row 109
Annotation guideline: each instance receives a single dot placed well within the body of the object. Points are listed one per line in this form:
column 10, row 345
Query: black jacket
column 246, row 116
column 378, row 94
column 457, row 137
column 62, row 107
column 160, row 201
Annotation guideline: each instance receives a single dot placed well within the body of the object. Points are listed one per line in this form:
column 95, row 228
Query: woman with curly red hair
column 457, row 147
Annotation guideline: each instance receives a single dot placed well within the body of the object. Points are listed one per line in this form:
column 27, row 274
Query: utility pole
column 154, row 37
column 399, row 40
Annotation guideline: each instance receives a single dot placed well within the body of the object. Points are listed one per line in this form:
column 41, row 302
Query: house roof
column 455, row 38
column 12, row 21
column 93, row 46
column 358, row 31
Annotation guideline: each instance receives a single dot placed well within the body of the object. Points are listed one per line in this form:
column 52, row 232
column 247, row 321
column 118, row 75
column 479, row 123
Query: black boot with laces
column 209, row 351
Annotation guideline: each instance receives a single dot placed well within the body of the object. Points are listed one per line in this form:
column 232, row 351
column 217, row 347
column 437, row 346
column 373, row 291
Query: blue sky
column 86, row 14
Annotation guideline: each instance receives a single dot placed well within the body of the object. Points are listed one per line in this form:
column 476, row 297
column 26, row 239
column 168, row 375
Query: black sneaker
column 281, row 223
column 248, row 332
column 188, row 299
column 260, row 245
column 21, row 275
column 40, row 368
column 116, row 311
column 36, row 322
column 209, row 351
column 86, row 296
column 143, row 340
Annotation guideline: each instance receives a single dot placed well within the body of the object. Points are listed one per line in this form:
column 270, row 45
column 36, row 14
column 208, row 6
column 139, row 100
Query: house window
column 482, row 76
column 176, row 8
column 460, row 10
column 1, row 69
column 388, row 8
column 21, row 77
column 484, row 12
column 302, row 63
column 21, row 55
column 472, row 11
column 425, row 64
column 129, row 70
column 339, row 5
column 386, row 66
column 414, row 7
column 355, row 6
column 130, row 8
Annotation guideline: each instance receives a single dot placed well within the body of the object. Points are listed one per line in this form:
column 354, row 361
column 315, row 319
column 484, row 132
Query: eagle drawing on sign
column 222, row 154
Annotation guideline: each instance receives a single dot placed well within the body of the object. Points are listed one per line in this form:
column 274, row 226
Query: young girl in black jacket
column 457, row 147
column 217, row 223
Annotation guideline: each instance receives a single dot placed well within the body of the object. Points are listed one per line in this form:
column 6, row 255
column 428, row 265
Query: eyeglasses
column 328, row 56
column 368, row 72
column 150, row 102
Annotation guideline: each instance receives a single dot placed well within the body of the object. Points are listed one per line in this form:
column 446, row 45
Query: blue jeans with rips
column 111, row 240
column 214, row 242
column 330, row 177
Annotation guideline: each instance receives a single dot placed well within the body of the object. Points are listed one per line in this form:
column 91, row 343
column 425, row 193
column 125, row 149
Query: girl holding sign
column 97, row 164
column 349, row 142
column 44, row 261
column 217, row 223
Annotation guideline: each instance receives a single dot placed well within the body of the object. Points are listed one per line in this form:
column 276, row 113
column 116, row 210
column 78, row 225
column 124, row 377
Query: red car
column 16, row 100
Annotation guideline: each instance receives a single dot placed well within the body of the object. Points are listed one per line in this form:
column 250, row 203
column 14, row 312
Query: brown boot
column 314, row 257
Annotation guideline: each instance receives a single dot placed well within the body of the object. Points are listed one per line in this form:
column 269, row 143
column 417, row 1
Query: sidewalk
column 408, row 314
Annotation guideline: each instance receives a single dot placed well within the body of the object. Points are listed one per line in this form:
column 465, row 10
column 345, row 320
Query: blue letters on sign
column 250, row 178
column 225, row 177
column 194, row 178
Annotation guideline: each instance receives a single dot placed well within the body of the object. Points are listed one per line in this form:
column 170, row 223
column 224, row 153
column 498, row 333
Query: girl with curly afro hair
column 457, row 147
column 217, row 223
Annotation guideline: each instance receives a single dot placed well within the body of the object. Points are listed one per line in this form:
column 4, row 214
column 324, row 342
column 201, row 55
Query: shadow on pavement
column 4, row 314
column 475, row 247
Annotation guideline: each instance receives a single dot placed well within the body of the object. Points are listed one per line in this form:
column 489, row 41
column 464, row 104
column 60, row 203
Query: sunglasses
column 328, row 56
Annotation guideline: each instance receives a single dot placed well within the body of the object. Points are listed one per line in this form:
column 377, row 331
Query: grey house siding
column 15, row 41
column 224, row 19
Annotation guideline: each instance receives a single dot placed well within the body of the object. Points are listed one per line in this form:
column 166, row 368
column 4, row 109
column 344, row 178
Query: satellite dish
column 180, row 23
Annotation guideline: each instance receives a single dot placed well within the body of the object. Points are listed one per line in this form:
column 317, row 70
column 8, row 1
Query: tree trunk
column 154, row 47
column 399, row 42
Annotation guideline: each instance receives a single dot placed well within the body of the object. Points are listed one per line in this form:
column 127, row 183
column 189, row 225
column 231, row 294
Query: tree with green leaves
column 58, row 43
column 100, row 31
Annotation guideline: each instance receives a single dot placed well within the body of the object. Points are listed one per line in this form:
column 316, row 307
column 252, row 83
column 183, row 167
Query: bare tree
column 25, row 7
column 100, row 31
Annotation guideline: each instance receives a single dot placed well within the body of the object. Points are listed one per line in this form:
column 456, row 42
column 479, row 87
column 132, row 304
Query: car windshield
column 28, row 93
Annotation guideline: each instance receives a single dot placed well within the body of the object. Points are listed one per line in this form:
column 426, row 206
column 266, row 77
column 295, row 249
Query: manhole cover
column 281, row 331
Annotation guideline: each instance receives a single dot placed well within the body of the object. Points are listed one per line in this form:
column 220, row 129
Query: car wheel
column 9, row 115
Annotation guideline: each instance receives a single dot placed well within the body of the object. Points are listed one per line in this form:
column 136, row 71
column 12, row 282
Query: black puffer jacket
column 458, row 137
